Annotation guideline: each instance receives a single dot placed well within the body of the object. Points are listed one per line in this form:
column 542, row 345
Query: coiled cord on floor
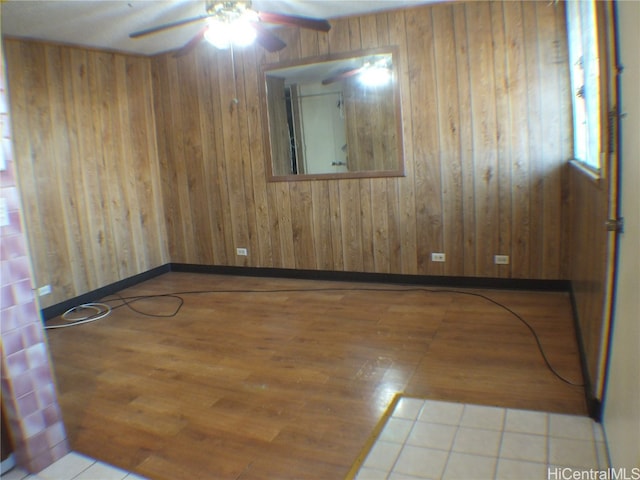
column 100, row 310
column 129, row 301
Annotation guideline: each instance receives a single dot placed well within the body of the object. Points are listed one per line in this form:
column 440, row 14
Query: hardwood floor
column 288, row 384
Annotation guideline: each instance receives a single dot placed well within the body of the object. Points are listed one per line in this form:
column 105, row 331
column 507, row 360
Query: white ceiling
column 106, row 24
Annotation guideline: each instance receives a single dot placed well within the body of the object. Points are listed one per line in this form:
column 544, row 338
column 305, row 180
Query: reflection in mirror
column 334, row 117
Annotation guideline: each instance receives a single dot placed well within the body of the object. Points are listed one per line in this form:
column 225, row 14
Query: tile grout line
column 88, row 467
column 500, row 444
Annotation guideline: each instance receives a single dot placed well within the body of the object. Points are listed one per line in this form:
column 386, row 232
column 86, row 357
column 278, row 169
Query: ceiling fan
column 235, row 22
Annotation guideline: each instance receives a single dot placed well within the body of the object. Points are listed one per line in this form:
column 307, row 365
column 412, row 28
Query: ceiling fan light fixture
column 224, row 31
column 243, row 34
column 218, row 34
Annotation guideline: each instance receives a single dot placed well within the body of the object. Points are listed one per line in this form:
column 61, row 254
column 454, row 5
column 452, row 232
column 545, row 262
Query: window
column 585, row 80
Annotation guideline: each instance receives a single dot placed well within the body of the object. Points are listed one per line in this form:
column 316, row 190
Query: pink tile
column 5, row 272
column 12, row 342
column 13, row 246
column 8, row 402
column 6, row 297
column 14, row 227
column 28, row 313
column 27, row 404
column 37, row 356
column 60, row 450
column 20, row 452
column 22, row 291
column 40, row 462
column 22, row 385
column 17, row 363
column 46, row 395
column 34, row 423
column 14, row 428
column 52, row 415
column 9, row 318
column 5, row 131
column 7, row 150
column 19, row 268
column 32, row 334
column 41, row 376
column 12, row 196
column 56, row 433
column 5, row 383
column 37, row 444
column 7, row 177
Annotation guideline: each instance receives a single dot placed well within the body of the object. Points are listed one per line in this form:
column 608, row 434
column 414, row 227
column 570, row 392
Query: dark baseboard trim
column 93, row 296
column 440, row 281
column 594, row 406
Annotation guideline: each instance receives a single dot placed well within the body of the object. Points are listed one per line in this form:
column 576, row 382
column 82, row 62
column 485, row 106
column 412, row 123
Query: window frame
column 587, row 71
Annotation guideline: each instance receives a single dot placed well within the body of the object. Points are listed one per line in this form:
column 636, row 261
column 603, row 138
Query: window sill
column 592, row 174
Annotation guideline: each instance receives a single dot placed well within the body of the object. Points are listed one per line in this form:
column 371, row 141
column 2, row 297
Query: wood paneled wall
column 588, row 240
column 487, row 132
column 593, row 201
column 86, row 154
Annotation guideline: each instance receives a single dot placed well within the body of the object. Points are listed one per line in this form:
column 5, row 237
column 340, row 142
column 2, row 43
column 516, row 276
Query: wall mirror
column 335, row 116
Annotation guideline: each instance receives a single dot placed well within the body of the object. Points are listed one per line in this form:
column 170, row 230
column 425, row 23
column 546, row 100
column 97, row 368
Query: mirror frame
column 267, row 67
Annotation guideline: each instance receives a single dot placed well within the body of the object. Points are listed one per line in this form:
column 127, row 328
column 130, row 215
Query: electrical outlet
column 501, row 259
column 242, row 252
column 437, row 257
column 44, row 290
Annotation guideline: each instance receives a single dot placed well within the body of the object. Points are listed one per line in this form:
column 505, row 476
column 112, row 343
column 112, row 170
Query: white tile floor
column 73, row 466
column 426, row 439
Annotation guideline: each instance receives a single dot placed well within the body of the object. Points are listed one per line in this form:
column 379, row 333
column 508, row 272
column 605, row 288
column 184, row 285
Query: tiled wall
column 28, row 390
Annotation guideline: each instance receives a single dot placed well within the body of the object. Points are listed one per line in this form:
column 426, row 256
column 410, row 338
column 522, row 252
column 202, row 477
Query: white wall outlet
column 501, row 259
column 44, row 290
column 437, row 257
column 242, row 252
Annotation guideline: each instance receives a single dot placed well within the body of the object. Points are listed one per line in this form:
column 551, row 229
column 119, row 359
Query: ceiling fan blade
column 295, row 21
column 267, row 39
column 341, row 76
column 191, row 44
column 167, row 26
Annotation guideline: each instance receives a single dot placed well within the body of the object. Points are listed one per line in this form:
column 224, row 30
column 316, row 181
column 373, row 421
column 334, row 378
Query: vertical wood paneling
column 406, row 191
column 261, row 237
column 535, row 125
column 449, row 139
column 161, row 152
column 424, row 111
column 78, row 218
column 518, row 143
column 552, row 132
column 503, row 134
column 464, row 95
column 165, row 145
column 483, row 121
column 86, row 156
column 474, row 93
column 187, row 81
column 588, row 239
column 67, row 171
